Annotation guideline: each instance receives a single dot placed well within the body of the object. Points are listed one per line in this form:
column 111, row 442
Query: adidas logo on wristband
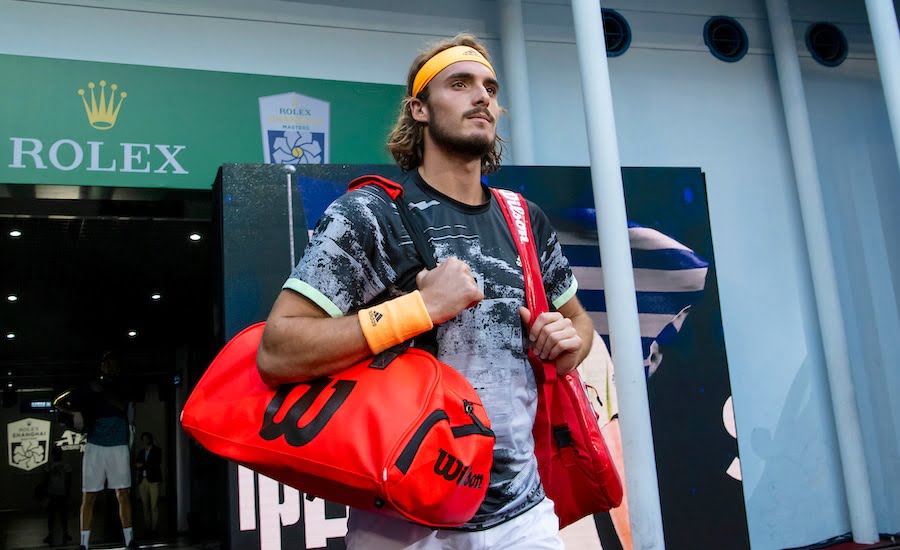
column 374, row 316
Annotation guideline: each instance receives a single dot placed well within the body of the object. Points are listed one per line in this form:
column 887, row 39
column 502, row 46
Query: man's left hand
column 554, row 338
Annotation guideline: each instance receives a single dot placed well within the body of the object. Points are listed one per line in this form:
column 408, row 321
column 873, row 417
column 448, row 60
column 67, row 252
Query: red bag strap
column 515, row 210
column 391, row 187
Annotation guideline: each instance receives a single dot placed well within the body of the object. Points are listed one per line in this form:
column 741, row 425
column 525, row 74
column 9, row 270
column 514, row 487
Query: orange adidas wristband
column 394, row 321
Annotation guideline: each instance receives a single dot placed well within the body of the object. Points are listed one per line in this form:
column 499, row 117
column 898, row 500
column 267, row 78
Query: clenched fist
column 448, row 289
column 553, row 338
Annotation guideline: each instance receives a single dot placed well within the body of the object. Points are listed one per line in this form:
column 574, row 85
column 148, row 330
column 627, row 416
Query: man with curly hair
column 471, row 305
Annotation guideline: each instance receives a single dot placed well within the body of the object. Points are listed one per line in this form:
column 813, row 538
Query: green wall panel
column 174, row 128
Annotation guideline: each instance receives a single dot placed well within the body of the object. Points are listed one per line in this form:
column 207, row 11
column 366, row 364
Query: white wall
column 859, row 174
column 261, row 37
column 675, row 105
column 726, row 119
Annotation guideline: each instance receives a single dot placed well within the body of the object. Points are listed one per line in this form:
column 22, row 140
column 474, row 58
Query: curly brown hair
column 406, row 140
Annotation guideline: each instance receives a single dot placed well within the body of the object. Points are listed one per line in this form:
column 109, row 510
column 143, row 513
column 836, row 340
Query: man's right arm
column 302, row 342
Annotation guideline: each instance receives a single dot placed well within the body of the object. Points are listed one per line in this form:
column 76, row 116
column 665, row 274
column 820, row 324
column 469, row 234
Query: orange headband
column 442, row 60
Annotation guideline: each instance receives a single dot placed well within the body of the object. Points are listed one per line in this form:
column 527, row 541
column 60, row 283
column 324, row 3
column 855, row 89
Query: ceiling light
column 195, row 237
column 10, row 335
column 132, row 333
column 12, row 298
column 15, row 233
column 156, row 296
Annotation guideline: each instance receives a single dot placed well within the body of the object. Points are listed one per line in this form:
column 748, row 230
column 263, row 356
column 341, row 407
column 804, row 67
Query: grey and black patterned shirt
column 360, row 249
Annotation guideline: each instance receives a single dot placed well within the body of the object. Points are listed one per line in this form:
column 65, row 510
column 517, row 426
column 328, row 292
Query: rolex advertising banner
column 681, row 332
column 105, row 124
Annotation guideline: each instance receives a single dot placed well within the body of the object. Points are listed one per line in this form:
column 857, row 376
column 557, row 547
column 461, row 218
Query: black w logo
column 449, row 468
column 294, row 435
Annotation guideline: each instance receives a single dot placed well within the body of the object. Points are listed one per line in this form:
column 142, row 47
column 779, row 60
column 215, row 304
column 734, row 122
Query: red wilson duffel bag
column 402, row 433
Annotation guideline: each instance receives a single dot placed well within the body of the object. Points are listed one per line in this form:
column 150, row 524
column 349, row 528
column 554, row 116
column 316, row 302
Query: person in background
column 103, row 411
column 59, row 485
column 149, row 461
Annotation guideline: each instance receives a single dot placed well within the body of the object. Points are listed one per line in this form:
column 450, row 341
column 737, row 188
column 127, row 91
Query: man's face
column 462, row 109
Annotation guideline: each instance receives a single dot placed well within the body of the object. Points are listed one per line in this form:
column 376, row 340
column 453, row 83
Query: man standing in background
column 148, row 462
column 104, row 412
column 59, row 484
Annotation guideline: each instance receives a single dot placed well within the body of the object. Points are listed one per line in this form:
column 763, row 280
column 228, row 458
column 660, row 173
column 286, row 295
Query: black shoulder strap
column 416, row 233
column 406, row 281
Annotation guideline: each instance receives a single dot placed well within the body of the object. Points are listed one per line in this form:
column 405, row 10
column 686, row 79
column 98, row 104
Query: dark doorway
column 86, row 270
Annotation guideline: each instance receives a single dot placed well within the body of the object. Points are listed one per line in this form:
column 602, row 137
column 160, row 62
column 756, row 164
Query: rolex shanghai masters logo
column 295, row 129
column 102, row 115
column 28, row 443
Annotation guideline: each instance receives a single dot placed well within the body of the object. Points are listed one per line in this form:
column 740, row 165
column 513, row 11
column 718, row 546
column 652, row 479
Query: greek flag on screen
column 668, row 278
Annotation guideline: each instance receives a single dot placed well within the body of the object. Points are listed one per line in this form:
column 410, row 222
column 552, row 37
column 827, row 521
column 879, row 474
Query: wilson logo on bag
column 452, row 469
column 401, row 433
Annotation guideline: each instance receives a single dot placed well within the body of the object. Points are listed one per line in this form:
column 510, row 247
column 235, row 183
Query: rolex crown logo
column 102, row 116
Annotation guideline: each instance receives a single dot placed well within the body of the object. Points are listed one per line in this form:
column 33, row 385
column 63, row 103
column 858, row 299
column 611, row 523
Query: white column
column 515, row 81
column 621, row 303
column 828, row 305
column 886, row 37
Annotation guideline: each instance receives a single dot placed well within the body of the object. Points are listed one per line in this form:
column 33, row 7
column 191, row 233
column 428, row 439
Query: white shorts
column 105, row 466
column 536, row 529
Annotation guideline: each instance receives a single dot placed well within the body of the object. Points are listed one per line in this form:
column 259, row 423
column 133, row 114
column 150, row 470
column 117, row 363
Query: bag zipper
column 470, row 410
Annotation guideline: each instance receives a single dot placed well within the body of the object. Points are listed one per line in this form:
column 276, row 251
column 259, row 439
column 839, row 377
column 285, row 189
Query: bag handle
column 515, row 211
